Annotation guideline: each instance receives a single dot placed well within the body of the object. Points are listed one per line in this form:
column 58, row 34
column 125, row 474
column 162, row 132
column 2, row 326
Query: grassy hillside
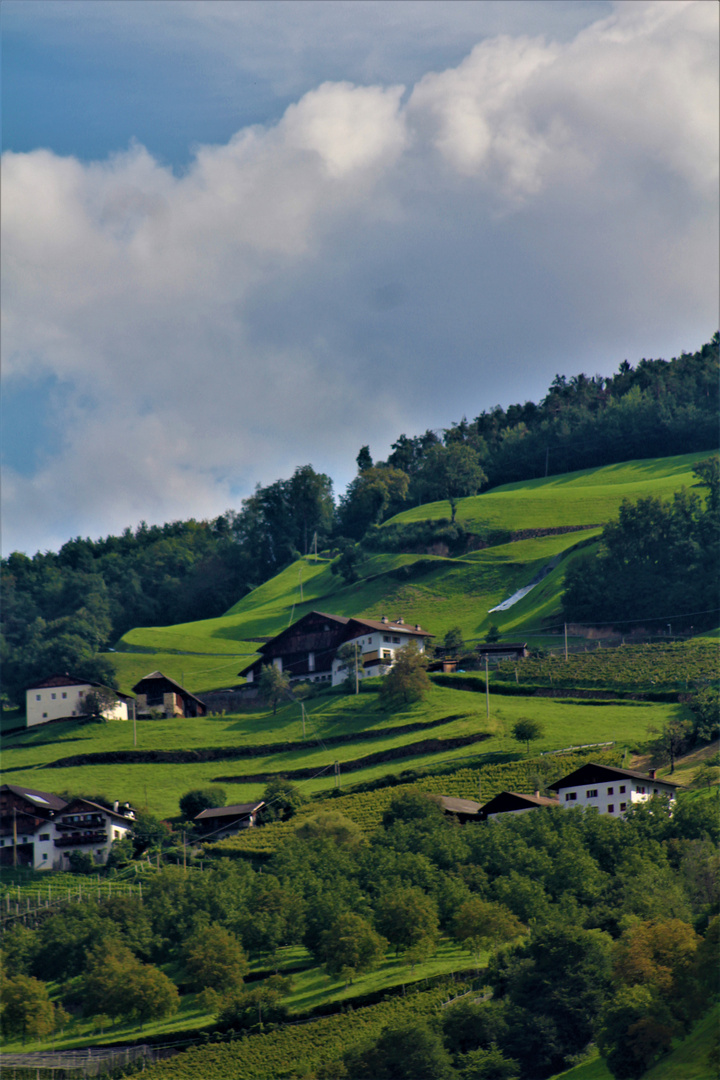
column 436, row 592
column 30, row 757
column 587, row 497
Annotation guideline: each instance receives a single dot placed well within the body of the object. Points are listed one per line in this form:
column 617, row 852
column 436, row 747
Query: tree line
column 587, row 928
column 61, row 609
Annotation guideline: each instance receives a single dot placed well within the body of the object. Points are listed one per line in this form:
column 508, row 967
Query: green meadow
column 29, row 755
column 587, row 497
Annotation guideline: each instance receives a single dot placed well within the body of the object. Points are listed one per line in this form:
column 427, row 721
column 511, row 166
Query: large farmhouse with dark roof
column 307, row 650
column 40, row 830
column 608, row 789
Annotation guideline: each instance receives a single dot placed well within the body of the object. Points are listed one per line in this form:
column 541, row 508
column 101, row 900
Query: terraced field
column 436, row 592
column 172, row 757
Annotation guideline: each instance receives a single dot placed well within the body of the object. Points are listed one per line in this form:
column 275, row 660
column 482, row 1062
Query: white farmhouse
column 61, row 697
column 610, row 790
column 40, row 831
column 377, row 642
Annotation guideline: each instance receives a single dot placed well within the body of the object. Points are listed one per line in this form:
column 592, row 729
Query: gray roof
column 235, row 811
column 459, row 806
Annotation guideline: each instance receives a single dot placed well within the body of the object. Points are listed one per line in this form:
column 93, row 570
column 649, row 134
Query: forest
column 585, row 928
column 61, row 609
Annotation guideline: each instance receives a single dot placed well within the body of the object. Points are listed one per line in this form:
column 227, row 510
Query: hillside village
column 437, row 711
column 435, row 746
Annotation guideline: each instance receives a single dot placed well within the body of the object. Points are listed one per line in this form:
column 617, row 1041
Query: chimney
column 399, row 621
column 651, row 773
column 116, row 806
column 417, row 626
column 384, row 620
column 537, row 794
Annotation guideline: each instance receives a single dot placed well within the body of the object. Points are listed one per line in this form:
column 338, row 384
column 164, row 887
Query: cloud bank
column 384, row 258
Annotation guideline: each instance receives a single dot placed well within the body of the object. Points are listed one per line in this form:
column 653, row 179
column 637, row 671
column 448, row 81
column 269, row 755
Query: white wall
column 384, row 642
column 613, row 796
column 54, row 702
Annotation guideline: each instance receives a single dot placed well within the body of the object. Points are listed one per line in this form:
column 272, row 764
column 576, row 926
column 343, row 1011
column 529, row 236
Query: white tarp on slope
column 513, row 599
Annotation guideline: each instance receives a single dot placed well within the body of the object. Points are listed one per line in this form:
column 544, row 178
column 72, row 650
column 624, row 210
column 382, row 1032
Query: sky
column 243, row 236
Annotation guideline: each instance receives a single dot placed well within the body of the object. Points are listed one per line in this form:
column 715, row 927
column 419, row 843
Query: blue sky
column 238, row 237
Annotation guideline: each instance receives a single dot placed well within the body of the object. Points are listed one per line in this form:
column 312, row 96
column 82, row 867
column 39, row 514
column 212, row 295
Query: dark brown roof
column 79, row 801
column 154, row 675
column 591, row 772
column 235, row 811
column 505, row 802
column 44, row 800
column 66, row 680
column 501, row 646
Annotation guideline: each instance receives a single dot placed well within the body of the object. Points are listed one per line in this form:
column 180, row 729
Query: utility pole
column 566, row 655
column 487, row 689
column 15, row 838
column 357, row 677
column 134, row 723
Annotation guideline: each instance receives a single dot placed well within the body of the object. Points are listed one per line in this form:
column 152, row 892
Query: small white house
column 61, row 697
column 377, row 643
column 610, row 790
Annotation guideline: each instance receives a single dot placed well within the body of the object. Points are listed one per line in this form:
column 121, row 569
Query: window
column 655, row 791
column 44, row 835
column 2, row 843
column 591, row 793
column 396, row 640
column 611, row 791
column 622, row 807
column 570, row 796
column 611, row 808
column 387, row 654
column 64, row 695
column 38, row 697
column 44, row 716
column 53, row 696
column 386, row 637
column 621, row 789
column 640, row 790
column 116, row 834
column 45, row 855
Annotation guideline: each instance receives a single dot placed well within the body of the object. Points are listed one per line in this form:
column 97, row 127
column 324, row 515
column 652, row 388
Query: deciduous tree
column 27, row 1009
column 527, row 731
column 407, row 680
column 274, row 685
column 350, row 946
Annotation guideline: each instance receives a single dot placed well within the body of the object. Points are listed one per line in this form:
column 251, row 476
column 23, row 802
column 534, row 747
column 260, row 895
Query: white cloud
column 367, row 265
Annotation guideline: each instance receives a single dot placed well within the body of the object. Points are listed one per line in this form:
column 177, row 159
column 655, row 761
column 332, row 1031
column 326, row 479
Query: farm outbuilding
column 159, row 693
